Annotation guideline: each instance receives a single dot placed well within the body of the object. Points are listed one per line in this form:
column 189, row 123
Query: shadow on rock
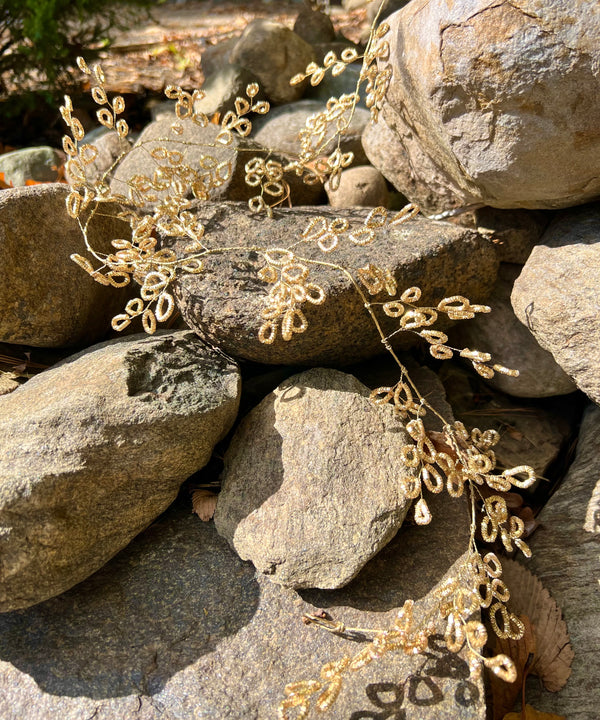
column 159, row 605
column 409, row 566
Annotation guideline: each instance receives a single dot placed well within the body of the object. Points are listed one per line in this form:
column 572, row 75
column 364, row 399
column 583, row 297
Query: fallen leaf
column 204, row 503
column 553, row 651
column 3, row 184
column 532, row 714
column 522, row 653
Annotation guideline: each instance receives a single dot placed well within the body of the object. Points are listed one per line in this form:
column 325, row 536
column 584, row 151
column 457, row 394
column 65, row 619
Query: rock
column 46, row 300
column 384, row 151
column 565, row 558
column 512, row 345
column 109, row 146
column 512, row 125
column 40, row 164
column 214, row 57
column 314, row 26
column 274, row 54
column 95, row 448
column 514, row 232
column 531, row 432
column 556, row 295
column 223, row 87
column 202, row 150
column 223, row 304
column 279, row 129
column 178, row 605
column 160, row 109
column 360, row 186
column 8, row 382
column 310, row 490
column 387, row 8
column 383, row 371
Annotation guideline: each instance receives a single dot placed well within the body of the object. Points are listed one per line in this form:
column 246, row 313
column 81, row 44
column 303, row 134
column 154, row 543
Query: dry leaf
column 528, row 596
column 204, row 503
column 532, row 714
column 522, row 653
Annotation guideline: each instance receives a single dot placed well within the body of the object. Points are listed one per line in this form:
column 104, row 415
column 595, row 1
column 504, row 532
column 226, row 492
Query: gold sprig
column 290, row 290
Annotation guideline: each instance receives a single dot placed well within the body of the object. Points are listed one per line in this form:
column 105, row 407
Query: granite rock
column 492, row 102
column 556, row 295
column 387, row 8
column 224, row 303
column 314, row 26
column 46, row 300
column 95, row 448
column 273, row 53
column 343, row 84
column 223, row 87
column 110, row 147
column 512, row 345
column 40, row 164
column 177, row 627
column 359, row 186
column 279, row 129
column 532, row 432
column 225, row 164
column 514, row 232
column 310, row 490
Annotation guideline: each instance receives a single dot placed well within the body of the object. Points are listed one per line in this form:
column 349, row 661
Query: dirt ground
column 167, row 49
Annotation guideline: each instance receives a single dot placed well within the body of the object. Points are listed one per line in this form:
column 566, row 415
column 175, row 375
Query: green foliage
column 40, row 39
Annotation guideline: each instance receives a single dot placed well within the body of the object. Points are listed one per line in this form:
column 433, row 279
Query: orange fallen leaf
column 204, row 503
column 532, row 714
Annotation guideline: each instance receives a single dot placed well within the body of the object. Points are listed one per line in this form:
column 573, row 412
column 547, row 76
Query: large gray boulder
column 178, row 605
column 311, row 486
column 224, row 303
column 557, row 297
column 95, row 448
column 273, row 53
column 219, row 168
column 47, row 300
column 512, row 345
column 280, row 127
column 492, row 102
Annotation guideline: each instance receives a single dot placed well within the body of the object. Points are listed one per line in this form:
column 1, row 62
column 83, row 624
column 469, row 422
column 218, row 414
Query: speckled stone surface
column 557, row 295
column 46, row 299
column 95, row 448
column 223, row 303
column 176, row 627
column 311, row 485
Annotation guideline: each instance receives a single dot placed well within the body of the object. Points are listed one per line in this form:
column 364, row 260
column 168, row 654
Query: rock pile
column 498, row 108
